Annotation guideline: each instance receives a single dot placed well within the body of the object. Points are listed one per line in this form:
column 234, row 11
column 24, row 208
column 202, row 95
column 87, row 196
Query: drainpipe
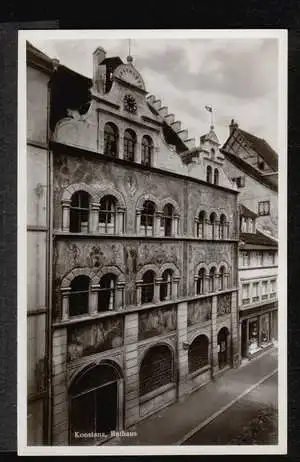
column 49, row 261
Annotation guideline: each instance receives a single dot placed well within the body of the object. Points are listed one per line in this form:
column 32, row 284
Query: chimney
column 233, row 125
column 99, row 70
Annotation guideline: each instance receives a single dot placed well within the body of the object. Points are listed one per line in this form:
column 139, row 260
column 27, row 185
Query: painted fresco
column 199, row 311
column 224, row 304
column 157, row 322
column 93, row 338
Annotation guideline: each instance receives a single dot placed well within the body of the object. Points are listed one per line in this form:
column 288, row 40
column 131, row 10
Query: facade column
column 157, row 221
column 139, row 292
column 121, row 146
column 120, row 295
column 94, row 217
column 235, row 353
column 120, row 220
column 65, row 294
column 66, row 204
column 93, row 306
column 214, row 338
column 138, row 220
column 131, row 328
column 175, row 225
column 175, row 287
column 182, row 347
column 157, row 284
column 196, row 223
column 60, row 400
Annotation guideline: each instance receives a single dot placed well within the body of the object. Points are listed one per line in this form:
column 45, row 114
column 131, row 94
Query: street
column 251, row 420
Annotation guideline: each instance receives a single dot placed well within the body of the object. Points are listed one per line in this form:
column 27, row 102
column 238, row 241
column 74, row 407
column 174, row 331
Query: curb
column 223, row 409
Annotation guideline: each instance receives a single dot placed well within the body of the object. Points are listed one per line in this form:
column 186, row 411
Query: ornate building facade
column 142, row 298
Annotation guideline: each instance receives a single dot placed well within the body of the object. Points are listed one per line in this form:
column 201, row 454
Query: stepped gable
column 172, row 129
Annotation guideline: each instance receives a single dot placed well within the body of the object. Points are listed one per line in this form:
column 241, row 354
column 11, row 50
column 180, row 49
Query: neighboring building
column 253, row 166
column 258, row 268
column 142, row 242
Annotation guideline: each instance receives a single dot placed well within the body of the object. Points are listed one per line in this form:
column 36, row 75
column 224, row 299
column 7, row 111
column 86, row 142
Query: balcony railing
column 264, row 297
column 273, row 295
column 246, row 301
column 255, row 299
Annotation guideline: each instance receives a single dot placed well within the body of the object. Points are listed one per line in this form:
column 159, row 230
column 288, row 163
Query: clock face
column 130, row 104
column 129, row 74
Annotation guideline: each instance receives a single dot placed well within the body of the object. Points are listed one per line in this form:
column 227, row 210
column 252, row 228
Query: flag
column 208, row 108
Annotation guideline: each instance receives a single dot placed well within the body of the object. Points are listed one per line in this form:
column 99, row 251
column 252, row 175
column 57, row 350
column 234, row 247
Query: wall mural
column 199, row 311
column 94, row 338
column 157, row 322
column 224, row 304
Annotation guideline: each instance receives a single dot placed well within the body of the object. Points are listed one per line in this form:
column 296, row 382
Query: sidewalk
column 169, row 426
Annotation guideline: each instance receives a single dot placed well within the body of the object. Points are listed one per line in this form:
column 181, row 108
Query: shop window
column 79, row 296
column 212, row 279
column 107, row 215
column 156, row 369
column 107, row 293
column 216, row 176
column 111, row 139
column 167, row 219
column 198, row 353
column 129, row 145
column 253, row 335
column 265, row 329
column 264, row 208
column 79, row 212
column 201, row 281
column 166, row 285
column 148, row 287
column 209, row 174
column 147, row 218
column 147, row 151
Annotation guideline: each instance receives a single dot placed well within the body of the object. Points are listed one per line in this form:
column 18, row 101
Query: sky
column 238, row 77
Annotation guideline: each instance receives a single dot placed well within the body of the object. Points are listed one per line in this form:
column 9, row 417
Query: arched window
column 79, row 212
column 107, row 292
column 111, row 140
column 212, row 279
column 216, row 176
column 94, row 402
column 79, row 296
column 223, row 227
column 212, row 220
column 212, row 153
column 222, row 276
column 166, row 285
column 107, row 215
column 129, row 145
column 201, row 281
column 147, row 218
column 198, row 353
column 156, row 369
column 148, row 287
column 201, row 225
column 208, row 174
column 147, row 151
column 167, row 219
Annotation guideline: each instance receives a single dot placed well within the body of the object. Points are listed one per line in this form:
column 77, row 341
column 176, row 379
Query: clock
column 130, row 104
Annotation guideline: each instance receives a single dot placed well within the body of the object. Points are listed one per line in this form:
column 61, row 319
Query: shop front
column 258, row 330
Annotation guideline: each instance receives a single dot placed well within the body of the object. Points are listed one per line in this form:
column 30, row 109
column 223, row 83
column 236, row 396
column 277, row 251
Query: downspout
column 49, row 262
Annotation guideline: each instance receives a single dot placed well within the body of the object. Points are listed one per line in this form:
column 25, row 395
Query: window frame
column 263, row 208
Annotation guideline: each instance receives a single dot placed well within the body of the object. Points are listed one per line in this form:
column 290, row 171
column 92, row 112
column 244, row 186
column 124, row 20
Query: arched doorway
column 223, row 347
column 95, row 403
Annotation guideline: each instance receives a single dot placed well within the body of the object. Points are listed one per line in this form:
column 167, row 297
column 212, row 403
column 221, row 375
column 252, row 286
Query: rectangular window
column 272, row 258
column 246, row 258
column 264, row 208
column 255, row 292
column 273, row 288
column 264, row 290
column 246, row 294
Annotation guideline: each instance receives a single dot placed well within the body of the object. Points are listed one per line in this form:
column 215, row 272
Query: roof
column 247, row 168
column 38, row 59
column 245, row 212
column 210, row 136
column 263, row 149
column 257, row 240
